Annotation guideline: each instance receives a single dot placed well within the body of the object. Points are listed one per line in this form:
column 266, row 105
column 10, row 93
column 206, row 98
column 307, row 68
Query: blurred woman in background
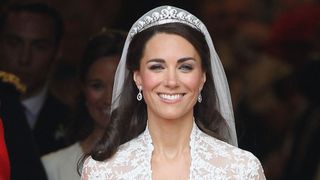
column 91, row 117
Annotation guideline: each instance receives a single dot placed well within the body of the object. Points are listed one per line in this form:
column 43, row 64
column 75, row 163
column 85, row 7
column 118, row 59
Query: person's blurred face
column 223, row 18
column 27, row 48
column 98, row 89
column 171, row 77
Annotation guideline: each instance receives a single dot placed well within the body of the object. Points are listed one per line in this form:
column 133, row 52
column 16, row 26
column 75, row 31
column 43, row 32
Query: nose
column 171, row 78
column 25, row 58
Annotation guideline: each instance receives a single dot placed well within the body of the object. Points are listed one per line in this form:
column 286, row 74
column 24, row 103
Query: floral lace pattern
column 211, row 159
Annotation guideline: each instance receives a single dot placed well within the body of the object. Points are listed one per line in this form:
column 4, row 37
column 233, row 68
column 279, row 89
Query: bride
column 171, row 113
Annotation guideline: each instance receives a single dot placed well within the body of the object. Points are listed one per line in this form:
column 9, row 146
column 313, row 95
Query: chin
column 171, row 115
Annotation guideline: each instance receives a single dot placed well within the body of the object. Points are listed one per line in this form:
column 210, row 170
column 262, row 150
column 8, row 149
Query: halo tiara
column 164, row 15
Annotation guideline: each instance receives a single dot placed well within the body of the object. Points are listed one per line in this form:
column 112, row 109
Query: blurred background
column 270, row 50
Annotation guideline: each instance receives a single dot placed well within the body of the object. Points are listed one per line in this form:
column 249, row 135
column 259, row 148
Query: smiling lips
column 171, row 97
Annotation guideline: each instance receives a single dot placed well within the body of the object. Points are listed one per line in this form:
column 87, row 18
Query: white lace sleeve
column 246, row 166
column 131, row 161
column 90, row 169
column 214, row 159
column 261, row 175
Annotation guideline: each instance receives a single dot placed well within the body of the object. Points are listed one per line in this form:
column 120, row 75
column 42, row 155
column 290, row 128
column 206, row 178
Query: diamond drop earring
column 139, row 95
column 199, row 98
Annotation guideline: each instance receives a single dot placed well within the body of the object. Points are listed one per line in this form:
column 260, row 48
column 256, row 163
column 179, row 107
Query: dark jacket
column 26, row 146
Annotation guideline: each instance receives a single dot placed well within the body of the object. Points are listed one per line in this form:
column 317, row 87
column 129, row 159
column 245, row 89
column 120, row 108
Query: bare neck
column 170, row 137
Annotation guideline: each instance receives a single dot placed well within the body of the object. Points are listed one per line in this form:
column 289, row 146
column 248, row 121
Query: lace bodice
column 210, row 159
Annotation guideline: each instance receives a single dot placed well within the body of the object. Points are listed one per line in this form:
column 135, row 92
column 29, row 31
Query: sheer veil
column 169, row 14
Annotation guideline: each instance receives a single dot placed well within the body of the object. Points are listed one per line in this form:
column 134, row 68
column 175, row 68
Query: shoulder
column 232, row 161
column 93, row 169
column 107, row 169
column 128, row 162
column 220, row 148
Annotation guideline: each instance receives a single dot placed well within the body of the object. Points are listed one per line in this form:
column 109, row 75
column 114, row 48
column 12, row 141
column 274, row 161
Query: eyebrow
column 181, row 60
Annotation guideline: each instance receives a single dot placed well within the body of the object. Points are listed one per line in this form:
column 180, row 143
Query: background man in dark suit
column 29, row 48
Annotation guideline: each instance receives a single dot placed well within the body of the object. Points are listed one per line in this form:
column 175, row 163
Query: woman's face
column 98, row 89
column 171, row 76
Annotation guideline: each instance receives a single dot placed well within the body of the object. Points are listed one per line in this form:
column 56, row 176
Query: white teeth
column 170, row 97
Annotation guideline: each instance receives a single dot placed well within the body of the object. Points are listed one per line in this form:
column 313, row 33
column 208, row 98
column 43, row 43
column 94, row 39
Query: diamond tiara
column 164, row 15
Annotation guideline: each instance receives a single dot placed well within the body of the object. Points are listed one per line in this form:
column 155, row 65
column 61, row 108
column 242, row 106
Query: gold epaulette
column 14, row 80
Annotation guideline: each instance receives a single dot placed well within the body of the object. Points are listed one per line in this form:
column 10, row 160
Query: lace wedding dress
column 210, row 159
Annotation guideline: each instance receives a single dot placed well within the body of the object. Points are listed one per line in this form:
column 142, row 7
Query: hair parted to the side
column 129, row 119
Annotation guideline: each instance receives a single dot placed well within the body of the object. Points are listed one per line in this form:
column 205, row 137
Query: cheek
column 9, row 58
column 92, row 96
column 191, row 81
column 194, row 83
column 9, row 51
column 150, row 80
